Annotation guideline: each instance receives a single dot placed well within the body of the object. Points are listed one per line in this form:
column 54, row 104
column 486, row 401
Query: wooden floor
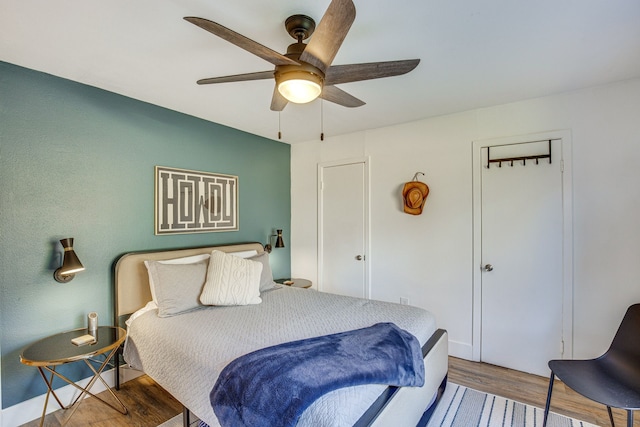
column 531, row 389
column 147, row 402
column 149, row 405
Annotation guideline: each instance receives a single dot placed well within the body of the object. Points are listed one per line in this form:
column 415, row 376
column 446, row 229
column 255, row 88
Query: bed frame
column 397, row 405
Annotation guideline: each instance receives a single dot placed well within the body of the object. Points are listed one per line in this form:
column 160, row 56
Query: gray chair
column 612, row 379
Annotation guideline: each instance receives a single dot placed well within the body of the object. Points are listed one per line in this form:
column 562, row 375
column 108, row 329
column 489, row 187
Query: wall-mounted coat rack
column 522, row 159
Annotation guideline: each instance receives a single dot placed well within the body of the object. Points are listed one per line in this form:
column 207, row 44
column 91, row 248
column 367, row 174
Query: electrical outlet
column 404, row 300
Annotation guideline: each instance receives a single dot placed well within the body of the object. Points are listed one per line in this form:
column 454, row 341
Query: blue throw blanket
column 273, row 386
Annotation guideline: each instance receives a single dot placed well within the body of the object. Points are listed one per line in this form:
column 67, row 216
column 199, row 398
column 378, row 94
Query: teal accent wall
column 76, row 161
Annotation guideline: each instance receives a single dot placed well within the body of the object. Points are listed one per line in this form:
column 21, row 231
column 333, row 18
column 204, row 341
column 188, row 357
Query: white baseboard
column 31, row 409
column 461, row 350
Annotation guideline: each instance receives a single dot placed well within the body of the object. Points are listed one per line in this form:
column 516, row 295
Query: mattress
column 185, row 353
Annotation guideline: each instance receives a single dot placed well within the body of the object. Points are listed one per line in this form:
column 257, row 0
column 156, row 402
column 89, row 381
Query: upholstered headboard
column 132, row 280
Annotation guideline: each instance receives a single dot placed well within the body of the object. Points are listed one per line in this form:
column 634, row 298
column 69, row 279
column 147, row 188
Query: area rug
column 465, row 407
column 177, row 422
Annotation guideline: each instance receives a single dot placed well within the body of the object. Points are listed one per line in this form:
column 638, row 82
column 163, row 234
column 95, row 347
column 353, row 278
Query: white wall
column 428, row 258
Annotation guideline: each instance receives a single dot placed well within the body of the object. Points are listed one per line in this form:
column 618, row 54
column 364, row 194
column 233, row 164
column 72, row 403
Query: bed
column 184, row 353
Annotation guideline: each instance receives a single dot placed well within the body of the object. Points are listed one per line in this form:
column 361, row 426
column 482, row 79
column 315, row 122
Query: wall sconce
column 70, row 263
column 279, row 241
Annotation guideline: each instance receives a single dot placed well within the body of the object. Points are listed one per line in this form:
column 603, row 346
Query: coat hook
column 415, row 177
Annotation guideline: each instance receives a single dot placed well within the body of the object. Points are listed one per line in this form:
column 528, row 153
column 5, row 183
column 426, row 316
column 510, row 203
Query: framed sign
column 188, row 201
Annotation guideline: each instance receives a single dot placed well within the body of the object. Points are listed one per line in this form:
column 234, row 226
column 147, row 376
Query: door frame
column 367, row 231
column 567, row 239
column 1, row 422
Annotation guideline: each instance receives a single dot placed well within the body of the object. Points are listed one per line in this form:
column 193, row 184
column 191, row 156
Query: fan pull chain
column 321, row 120
column 279, row 127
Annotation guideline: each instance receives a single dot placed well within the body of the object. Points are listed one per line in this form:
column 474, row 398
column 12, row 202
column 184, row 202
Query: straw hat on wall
column 414, row 194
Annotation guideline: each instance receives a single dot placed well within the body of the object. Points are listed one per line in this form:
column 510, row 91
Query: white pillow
column 244, row 254
column 185, row 260
column 149, row 307
column 231, row 280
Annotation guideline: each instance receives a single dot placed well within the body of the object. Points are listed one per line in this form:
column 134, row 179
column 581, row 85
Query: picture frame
column 188, row 201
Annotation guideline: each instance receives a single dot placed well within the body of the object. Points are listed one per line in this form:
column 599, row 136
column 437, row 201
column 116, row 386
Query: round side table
column 295, row 283
column 58, row 349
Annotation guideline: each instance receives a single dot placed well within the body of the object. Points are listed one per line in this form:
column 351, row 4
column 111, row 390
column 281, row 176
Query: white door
column 342, row 241
column 522, row 262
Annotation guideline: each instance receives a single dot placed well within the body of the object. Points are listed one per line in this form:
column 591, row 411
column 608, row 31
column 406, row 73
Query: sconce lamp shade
column 70, row 263
column 279, row 241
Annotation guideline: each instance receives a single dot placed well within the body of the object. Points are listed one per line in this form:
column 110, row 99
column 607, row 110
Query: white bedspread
column 185, row 353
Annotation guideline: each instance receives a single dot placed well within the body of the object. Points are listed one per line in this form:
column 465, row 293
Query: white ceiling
column 473, row 54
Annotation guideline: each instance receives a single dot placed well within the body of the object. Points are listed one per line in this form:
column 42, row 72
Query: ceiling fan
column 305, row 71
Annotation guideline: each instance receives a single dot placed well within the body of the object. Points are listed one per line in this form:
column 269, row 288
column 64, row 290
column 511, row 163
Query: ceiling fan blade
column 374, row 70
column 241, row 41
column 278, row 102
column 329, row 34
column 262, row 75
column 338, row 96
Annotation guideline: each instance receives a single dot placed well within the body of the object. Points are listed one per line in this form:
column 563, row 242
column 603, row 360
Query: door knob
column 359, row 257
column 488, row 267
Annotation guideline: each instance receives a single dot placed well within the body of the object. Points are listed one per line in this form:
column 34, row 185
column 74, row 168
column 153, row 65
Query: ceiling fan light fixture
column 300, row 72
column 299, row 86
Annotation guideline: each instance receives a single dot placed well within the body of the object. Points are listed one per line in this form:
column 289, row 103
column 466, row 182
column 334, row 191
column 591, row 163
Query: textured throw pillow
column 231, row 281
column 184, row 260
column 178, row 286
column 266, row 278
